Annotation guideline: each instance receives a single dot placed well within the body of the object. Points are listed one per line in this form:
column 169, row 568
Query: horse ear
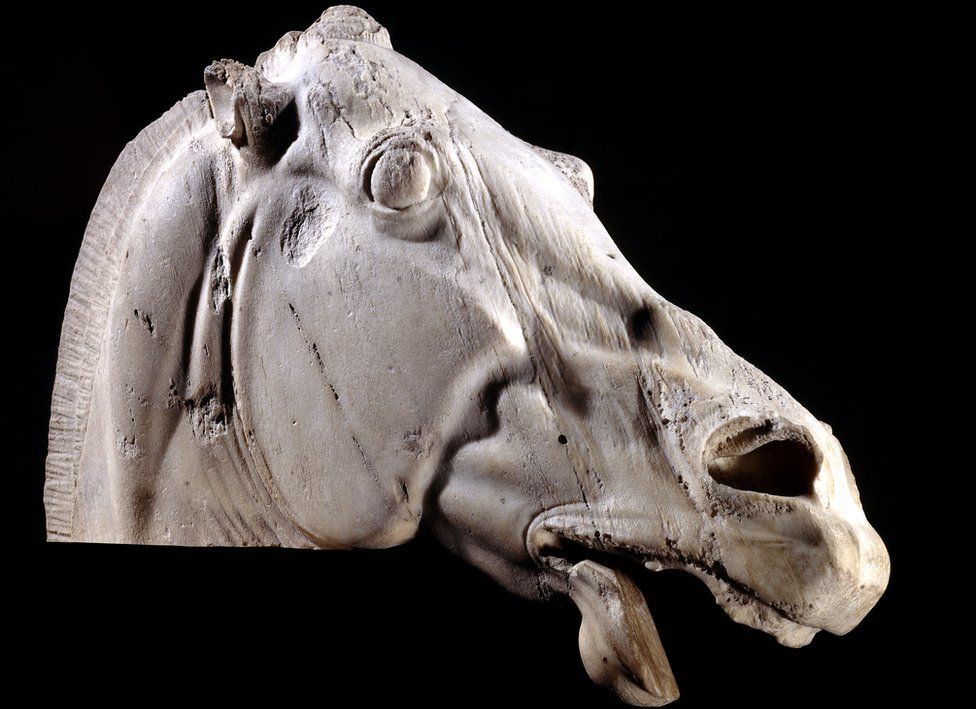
column 576, row 171
column 255, row 114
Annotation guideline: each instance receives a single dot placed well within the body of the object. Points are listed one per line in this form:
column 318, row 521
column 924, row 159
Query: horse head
column 328, row 301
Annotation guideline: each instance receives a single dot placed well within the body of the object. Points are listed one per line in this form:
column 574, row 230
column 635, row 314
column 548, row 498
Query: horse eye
column 399, row 178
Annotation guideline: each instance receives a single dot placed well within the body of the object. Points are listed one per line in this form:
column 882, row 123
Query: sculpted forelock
column 328, row 300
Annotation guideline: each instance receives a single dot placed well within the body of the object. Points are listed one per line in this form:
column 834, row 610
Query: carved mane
column 92, row 290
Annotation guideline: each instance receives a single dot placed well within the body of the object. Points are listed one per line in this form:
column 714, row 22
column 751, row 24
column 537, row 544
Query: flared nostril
column 775, row 459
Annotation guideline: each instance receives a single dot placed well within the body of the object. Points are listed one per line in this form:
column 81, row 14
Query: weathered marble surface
column 328, row 300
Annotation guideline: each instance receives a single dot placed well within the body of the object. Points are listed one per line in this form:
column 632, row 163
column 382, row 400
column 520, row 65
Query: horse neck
column 146, row 443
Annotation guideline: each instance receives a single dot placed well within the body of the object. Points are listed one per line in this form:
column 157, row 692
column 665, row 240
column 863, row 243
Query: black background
column 794, row 177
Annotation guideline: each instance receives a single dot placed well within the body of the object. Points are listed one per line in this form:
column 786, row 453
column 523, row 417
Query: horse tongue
column 619, row 644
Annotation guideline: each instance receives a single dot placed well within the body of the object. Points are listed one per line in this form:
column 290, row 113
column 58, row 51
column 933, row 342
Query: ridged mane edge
column 92, row 289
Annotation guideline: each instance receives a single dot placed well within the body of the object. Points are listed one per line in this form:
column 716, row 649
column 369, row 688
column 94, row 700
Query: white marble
column 328, row 300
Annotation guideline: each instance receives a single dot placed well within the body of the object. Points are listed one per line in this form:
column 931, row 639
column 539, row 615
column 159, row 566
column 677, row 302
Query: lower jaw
column 619, row 644
column 750, row 611
column 737, row 601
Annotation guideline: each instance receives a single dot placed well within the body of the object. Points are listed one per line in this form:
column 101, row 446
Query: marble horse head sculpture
column 327, row 302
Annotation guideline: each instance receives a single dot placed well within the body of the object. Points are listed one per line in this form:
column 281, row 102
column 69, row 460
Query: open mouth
column 619, row 643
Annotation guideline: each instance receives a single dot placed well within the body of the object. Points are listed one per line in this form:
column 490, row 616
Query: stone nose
column 769, row 456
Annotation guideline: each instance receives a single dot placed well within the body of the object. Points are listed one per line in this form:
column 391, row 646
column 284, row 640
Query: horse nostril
column 775, row 459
